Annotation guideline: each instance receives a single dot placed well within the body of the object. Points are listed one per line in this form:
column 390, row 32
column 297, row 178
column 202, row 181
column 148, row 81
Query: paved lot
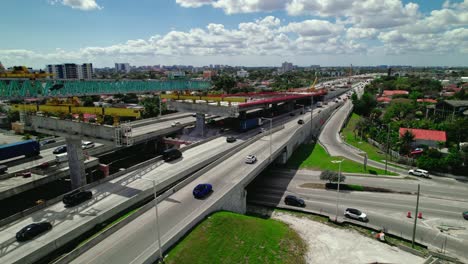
column 8, row 139
column 332, row 245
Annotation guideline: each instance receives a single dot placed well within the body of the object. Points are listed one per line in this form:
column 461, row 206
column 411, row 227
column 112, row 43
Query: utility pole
column 160, row 107
column 311, row 116
column 415, row 218
column 387, row 148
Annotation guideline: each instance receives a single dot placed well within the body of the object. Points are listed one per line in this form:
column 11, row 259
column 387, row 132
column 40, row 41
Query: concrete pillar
column 200, row 124
column 290, row 105
column 76, row 162
column 236, row 201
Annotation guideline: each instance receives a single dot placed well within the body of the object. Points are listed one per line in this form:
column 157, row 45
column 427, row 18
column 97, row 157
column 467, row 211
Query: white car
column 419, row 172
column 355, row 214
column 250, row 159
column 87, row 144
column 176, row 123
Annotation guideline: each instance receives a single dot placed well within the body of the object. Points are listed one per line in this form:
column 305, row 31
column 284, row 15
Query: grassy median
column 310, row 156
column 226, row 237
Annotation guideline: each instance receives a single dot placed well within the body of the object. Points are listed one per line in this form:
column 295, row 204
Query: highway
column 383, row 209
column 108, row 199
column 135, row 242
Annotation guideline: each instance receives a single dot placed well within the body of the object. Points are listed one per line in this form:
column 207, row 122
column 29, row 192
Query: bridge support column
column 76, row 162
column 200, row 124
column 236, row 201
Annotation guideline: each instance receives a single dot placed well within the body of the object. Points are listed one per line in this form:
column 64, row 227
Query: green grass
column 356, row 187
column 373, row 153
column 226, row 237
column 309, row 156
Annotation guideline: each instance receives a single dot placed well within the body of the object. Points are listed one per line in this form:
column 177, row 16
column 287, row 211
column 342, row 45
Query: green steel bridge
column 25, row 88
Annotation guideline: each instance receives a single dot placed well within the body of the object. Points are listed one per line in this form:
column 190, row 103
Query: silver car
column 355, row 214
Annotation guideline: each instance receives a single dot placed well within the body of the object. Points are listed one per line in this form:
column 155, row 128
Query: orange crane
column 23, row 72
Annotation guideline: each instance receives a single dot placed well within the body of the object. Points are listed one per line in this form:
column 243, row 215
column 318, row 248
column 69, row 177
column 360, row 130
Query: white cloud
column 78, row 4
column 361, row 33
column 313, row 27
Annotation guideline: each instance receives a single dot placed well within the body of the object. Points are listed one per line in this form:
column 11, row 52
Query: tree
column 88, row 101
column 224, row 82
column 151, row 107
column 331, row 176
column 405, row 142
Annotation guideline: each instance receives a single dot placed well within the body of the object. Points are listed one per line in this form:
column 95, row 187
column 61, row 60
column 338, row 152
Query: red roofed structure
column 390, row 93
column 425, row 100
column 384, row 99
column 425, row 136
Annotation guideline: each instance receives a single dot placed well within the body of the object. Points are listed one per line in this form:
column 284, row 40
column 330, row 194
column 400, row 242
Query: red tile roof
column 434, row 135
column 394, row 92
column 427, row 101
column 384, row 99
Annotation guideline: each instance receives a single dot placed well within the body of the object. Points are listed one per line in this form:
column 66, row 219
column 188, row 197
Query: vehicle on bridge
column 3, row 169
column 355, row 214
column 250, row 159
column 202, row 190
column 30, row 231
column 171, row 154
column 300, row 122
column 87, row 144
column 76, row 197
column 294, row 201
column 230, row 139
column 60, row 150
column 465, row 215
column 28, row 148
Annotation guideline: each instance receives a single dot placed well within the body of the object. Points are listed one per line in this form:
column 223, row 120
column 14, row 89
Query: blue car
column 202, row 190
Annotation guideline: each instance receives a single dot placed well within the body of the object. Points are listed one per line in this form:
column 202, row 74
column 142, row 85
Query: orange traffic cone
column 420, row 215
column 408, row 214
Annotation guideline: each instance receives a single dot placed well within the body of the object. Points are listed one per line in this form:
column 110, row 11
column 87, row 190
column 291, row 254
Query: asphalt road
column 134, row 242
column 383, row 209
column 106, row 197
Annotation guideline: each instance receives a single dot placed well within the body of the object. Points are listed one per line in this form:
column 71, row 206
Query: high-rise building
column 242, row 73
column 71, row 71
column 122, row 67
column 287, row 66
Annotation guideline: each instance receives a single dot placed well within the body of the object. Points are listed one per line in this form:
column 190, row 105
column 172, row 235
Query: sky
column 234, row 32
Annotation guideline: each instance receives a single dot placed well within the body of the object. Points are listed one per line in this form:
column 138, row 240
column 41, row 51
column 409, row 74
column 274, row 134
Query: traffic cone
column 420, row 215
column 408, row 214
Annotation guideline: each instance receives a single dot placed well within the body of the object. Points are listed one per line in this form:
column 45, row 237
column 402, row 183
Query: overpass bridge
column 229, row 177
column 14, row 88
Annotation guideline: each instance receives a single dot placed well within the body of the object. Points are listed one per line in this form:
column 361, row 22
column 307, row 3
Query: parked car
column 87, row 144
column 60, row 150
column 465, row 215
column 250, row 159
column 171, row 154
column 300, row 122
column 76, row 197
column 355, row 214
column 294, row 201
column 419, row 172
column 47, row 141
column 231, row 139
column 30, row 231
column 202, row 190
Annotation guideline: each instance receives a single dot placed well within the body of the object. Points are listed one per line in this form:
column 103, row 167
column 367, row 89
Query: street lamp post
column 387, row 148
column 271, row 127
column 156, row 223
column 338, row 189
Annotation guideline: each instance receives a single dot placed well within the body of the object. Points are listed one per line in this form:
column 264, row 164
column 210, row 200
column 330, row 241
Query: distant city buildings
column 208, row 74
column 242, row 73
column 286, row 66
column 122, row 67
column 71, row 71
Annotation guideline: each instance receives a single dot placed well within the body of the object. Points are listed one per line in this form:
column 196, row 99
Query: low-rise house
column 425, row 137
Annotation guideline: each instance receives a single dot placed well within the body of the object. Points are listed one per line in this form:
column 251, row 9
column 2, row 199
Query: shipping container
column 28, row 148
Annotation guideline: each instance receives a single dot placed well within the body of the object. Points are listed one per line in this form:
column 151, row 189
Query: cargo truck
column 28, row 148
column 247, row 124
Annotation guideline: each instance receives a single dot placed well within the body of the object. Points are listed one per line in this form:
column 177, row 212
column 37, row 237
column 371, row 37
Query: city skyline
column 248, row 33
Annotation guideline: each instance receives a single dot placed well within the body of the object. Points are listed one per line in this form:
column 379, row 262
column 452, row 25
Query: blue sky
column 334, row 32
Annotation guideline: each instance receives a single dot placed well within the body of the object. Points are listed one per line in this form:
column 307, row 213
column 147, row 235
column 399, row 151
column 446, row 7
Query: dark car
column 76, row 197
column 30, row 231
column 47, row 141
column 60, row 150
column 300, row 122
column 171, row 154
column 231, row 139
column 293, row 200
column 291, row 114
column 465, row 215
column 3, row 169
column 202, row 190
